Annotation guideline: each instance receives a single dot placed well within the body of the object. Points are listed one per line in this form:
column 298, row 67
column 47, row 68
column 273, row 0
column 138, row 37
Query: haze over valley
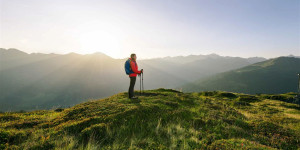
column 47, row 81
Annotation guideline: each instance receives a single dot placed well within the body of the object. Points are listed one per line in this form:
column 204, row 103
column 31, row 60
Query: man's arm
column 133, row 68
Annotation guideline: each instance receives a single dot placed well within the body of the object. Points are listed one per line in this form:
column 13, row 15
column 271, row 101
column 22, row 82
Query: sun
column 99, row 40
column 99, row 36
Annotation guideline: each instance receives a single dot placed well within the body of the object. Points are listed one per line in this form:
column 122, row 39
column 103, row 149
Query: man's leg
column 131, row 87
column 129, row 91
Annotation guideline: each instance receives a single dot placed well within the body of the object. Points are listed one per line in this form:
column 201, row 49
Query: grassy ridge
column 164, row 119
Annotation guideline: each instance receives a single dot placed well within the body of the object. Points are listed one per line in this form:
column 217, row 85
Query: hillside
column 190, row 68
column 45, row 81
column 278, row 75
column 164, row 119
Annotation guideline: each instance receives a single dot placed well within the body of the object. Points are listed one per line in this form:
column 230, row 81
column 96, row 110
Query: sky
column 152, row 28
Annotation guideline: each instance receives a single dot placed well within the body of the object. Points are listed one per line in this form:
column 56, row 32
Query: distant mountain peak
column 283, row 60
column 213, row 54
column 11, row 52
column 98, row 55
column 291, row 55
column 256, row 59
column 101, row 54
column 15, row 50
column 73, row 54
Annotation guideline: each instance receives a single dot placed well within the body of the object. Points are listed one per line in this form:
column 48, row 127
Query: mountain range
column 45, row 81
column 278, row 75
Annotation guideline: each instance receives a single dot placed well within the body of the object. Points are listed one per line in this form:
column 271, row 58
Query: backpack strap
column 130, row 64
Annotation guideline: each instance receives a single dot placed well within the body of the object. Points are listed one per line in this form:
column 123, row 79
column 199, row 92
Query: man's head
column 133, row 56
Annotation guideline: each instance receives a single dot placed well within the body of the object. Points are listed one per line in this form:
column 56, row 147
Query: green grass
column 164, row 119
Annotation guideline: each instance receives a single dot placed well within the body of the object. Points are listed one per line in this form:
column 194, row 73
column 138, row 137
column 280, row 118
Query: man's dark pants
column 131, row 87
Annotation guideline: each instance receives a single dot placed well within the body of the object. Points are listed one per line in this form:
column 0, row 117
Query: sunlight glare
column 100, row 39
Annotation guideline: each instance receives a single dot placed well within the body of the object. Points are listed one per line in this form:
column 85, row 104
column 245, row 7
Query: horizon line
column 288, row 55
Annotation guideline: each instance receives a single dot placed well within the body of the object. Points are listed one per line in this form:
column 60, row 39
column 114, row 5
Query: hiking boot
column 134, row 97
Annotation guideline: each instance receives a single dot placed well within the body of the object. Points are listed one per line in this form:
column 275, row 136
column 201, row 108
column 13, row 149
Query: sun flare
column 99, row 37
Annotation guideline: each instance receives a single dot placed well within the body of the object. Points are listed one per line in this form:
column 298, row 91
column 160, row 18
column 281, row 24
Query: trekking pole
column 140, row 86
column 143, row 82
column 298, row 84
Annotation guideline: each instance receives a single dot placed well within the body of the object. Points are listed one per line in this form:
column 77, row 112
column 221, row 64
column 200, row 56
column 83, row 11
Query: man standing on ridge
column 132, row 75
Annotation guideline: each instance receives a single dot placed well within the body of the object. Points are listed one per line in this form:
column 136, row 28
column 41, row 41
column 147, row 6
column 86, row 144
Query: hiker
column 132, row 72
